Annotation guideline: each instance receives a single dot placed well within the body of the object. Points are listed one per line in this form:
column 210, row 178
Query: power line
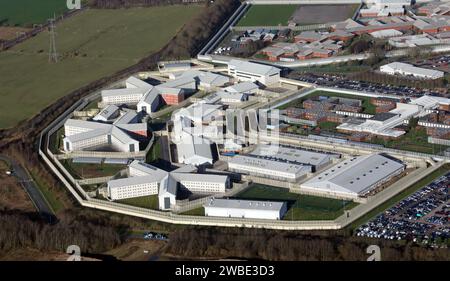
column 52, row 54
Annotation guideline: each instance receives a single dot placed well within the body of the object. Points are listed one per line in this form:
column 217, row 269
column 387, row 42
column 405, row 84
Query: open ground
column 91, row 45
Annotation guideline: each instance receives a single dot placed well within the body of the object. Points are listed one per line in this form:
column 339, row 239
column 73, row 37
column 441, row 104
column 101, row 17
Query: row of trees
column 275, row 245
column 196, row 32
column 19, row 231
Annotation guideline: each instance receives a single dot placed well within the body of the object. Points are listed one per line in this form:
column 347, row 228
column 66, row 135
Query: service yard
column 91, row 45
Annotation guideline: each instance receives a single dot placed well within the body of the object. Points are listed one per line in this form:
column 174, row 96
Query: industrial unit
column 238, row 208
column 410, row 70
column 354, row 177
column 254, row 72
column 268, row 168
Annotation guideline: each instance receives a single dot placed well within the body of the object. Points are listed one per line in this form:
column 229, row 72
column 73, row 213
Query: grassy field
column 397, row 198
column 84, row 170
column 91, row 45
column 367, row 106
column 269, row 15
column 414, row 140
column 300, row 207
column 155, row 152
column 28, row 12
column 200, row 211
column 149, row 202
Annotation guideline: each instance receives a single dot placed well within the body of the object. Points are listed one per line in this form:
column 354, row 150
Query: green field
column 367, row 106
column 300, row 207
column 85, row 170
column 93, row 44
column 267, row 15
column 155, row 152
column 414, row 140
column 148, row 202
column 29, row 12
column 200, row 211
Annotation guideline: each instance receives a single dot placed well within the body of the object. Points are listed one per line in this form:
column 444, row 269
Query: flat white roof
column 356, row 175
column 269, row 164
column 245, row 204
column 255, row 68
column 243, row 87
column 292, row 154
column 408, row 68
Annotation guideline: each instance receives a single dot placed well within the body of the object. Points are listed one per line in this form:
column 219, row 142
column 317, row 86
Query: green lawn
column 397, row 198
column 367, row 106
column 328, row 126
column 84, row 170
column 28, row 12
column 93, row 44
column 155, row 152
column 149, row 202
column 267, row 15
column 200, row 211
column 300, row 207
column 414, row 140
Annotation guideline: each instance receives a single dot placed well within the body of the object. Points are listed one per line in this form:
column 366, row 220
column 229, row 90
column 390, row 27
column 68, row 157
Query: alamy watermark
column 73, row 4
column 375, row 253
column 74, row 252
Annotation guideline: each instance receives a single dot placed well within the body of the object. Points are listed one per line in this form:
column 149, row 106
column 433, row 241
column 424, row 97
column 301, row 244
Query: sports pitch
column 91, row 45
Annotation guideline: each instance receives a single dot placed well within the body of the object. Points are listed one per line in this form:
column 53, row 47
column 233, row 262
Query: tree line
column 19, row 231
column 289, row 245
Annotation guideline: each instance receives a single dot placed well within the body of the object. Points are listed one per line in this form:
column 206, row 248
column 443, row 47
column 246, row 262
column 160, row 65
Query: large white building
column 410, row 70
column 121, row 135
column 268, row 168
column 354, row 177
column 383, row 124
column 384, row 8
column 250, row 209
column 145, row 179
column 315, row 159
column 254, row 72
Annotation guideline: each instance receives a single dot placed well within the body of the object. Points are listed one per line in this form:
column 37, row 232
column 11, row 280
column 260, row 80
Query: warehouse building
column 248, row 209
column 254, row 72
column 268, row 168
column 410, row 70
column 354, row 177
column 316, row 160
column 145, row 180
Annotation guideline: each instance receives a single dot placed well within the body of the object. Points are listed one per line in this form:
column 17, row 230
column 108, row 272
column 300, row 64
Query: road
column 32, row 190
